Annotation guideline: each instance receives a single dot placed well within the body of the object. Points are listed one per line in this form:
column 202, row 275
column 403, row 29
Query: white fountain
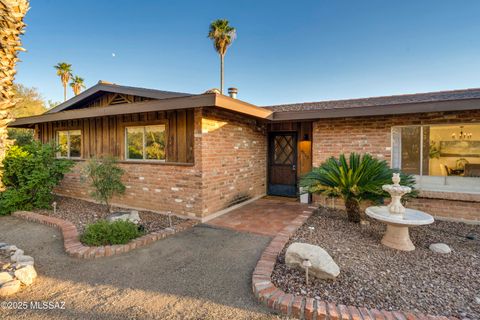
column 397, row 217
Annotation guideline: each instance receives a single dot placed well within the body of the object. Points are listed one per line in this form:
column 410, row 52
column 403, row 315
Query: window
column 69, row 143
column 145, row 143
column 447, row 155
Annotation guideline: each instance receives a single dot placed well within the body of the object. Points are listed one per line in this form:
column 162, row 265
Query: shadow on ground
column 203, row 273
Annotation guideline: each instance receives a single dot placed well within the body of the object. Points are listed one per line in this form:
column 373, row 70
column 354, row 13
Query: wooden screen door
column 282, row 164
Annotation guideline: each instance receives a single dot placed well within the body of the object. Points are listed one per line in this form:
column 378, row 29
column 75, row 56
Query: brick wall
column 230, row 163
column 373, row 135
column 234, row 159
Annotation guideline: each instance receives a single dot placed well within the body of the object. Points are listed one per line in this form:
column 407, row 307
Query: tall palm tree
column 64, row 71
column 12, row 27
column 222, row 35
column 77, row 84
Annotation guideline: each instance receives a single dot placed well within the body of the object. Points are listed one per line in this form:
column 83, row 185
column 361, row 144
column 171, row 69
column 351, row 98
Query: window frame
column 125, row 154
column 57, row 143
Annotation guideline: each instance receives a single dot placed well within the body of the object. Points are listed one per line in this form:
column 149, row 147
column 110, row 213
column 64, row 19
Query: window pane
column 135, row 143
column 411, row 150
column 62, row 140
column 155, row 142
column 75, row 143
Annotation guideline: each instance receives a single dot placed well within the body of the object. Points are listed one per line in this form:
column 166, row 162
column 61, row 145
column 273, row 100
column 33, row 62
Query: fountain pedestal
column 398, row 218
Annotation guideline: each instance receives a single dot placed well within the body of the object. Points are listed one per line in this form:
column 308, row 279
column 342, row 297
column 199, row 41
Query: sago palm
column 359, row 178
column 64, row 71
column 12, row 27
column 222, row 35
column 77, row 84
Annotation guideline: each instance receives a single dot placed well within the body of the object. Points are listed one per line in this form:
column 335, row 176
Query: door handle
column 294, row 167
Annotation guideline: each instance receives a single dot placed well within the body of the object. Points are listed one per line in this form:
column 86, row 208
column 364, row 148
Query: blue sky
column 286, row 51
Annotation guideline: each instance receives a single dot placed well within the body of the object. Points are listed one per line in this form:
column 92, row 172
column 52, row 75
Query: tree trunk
column 353, row 210
column 64, row 92
column 221, row 72
column 11, row 28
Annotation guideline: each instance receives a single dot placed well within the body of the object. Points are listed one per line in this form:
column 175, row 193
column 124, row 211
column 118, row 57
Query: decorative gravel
column 376, row 276
column 82, row 213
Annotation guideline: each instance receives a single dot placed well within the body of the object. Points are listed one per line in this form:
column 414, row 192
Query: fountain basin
column 397, row 235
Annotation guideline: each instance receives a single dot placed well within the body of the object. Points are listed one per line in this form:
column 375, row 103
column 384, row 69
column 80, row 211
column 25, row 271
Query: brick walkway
column 267, row 216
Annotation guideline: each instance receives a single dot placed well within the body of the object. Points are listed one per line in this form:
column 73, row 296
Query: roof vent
column 232, row 92
column 104, row 82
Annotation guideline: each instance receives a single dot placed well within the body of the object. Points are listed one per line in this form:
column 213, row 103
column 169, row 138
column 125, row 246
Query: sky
column 285, row 51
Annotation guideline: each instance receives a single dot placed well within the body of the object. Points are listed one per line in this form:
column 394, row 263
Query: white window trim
column 143, row 143
column 68, row 144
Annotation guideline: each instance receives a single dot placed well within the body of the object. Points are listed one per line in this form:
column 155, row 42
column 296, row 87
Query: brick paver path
column 266, row 216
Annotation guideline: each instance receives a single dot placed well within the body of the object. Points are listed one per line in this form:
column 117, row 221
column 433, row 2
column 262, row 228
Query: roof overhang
column 394, row 109
column 204, row 100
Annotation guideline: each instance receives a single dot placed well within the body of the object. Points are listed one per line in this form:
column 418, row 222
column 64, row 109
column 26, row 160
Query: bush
column 105, row 178
column 358, row 179
column 22, row 137
column 103, row 233
column 30, row 174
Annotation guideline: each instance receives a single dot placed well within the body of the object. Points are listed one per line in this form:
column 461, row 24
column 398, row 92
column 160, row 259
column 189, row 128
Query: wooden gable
column 111, row 98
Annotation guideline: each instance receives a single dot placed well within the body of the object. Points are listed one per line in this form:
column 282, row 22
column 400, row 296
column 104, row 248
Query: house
column 199, row 155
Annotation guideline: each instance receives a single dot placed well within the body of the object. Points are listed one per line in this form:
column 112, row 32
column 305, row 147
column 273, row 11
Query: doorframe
column 270, row 136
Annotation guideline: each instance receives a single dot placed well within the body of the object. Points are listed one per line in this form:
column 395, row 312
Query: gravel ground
column 202, row 273
column 376, row 276
column 81, row 213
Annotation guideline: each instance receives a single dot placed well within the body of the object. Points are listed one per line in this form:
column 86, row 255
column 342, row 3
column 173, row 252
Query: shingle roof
column 110, row 87
column 438, row 96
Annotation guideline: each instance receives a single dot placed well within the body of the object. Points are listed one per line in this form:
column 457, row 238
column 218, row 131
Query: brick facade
column 332, row 137
column 229, row 166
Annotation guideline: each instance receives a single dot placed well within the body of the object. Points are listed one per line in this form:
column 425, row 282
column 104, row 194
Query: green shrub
column 358, row 179
column 103, row 233
column 105, row 177
column 30, row 174
column 22, row 137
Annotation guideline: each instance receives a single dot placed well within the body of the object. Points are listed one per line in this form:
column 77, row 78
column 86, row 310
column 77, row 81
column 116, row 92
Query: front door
column 282, row 164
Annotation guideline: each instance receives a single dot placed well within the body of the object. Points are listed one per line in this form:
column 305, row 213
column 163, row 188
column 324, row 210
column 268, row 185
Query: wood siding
column 106, row 135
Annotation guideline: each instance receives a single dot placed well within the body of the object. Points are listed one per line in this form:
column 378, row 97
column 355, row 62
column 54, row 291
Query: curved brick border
column 76, row 249
column 309, row 308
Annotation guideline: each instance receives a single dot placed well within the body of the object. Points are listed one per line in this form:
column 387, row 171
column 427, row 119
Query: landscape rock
column 440, row 248
column 9, row 288
column 323, row 266
column 132, row 216
column 3, row 244
column 23, row 259
column 26, row 275
column 16, row 254
column 9, row 248
column 5, row 277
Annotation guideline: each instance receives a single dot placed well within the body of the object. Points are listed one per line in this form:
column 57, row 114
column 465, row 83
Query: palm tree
column 77, row 84
column 64, row 71
column 358, row 179
column 222, row 35
column 12, row 27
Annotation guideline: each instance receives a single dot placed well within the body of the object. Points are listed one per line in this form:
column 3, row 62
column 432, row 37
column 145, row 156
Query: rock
column 3, row 244
column 5, row 277
column 9, row 248
column 23, row 259
column 18, row 253
column 132, row 216
column 477, row 300
column 440, row 248
column 26, row 275
column 19, row 265
column 9, row 288
column 323, row 266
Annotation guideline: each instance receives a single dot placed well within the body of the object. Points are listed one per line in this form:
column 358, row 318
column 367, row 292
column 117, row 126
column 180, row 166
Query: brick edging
column 308, row 308
column 73, row 247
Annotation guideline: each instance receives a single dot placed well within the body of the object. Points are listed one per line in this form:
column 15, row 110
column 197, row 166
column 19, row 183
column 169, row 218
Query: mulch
column 376, row 276
column 82, row 213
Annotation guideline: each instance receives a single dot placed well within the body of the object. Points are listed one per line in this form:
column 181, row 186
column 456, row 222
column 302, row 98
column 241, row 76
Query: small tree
column 359, row 178
column 105, row 178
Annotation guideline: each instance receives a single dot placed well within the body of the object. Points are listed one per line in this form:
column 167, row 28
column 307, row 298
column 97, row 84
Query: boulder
column 24, row 259
column 132, row 216
column 5, row 277
column 3, row 244
column 9, row 288
column 440, row 248
column 16, row 254
column 323, row 266
column 9, row 248
column 26, row 275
